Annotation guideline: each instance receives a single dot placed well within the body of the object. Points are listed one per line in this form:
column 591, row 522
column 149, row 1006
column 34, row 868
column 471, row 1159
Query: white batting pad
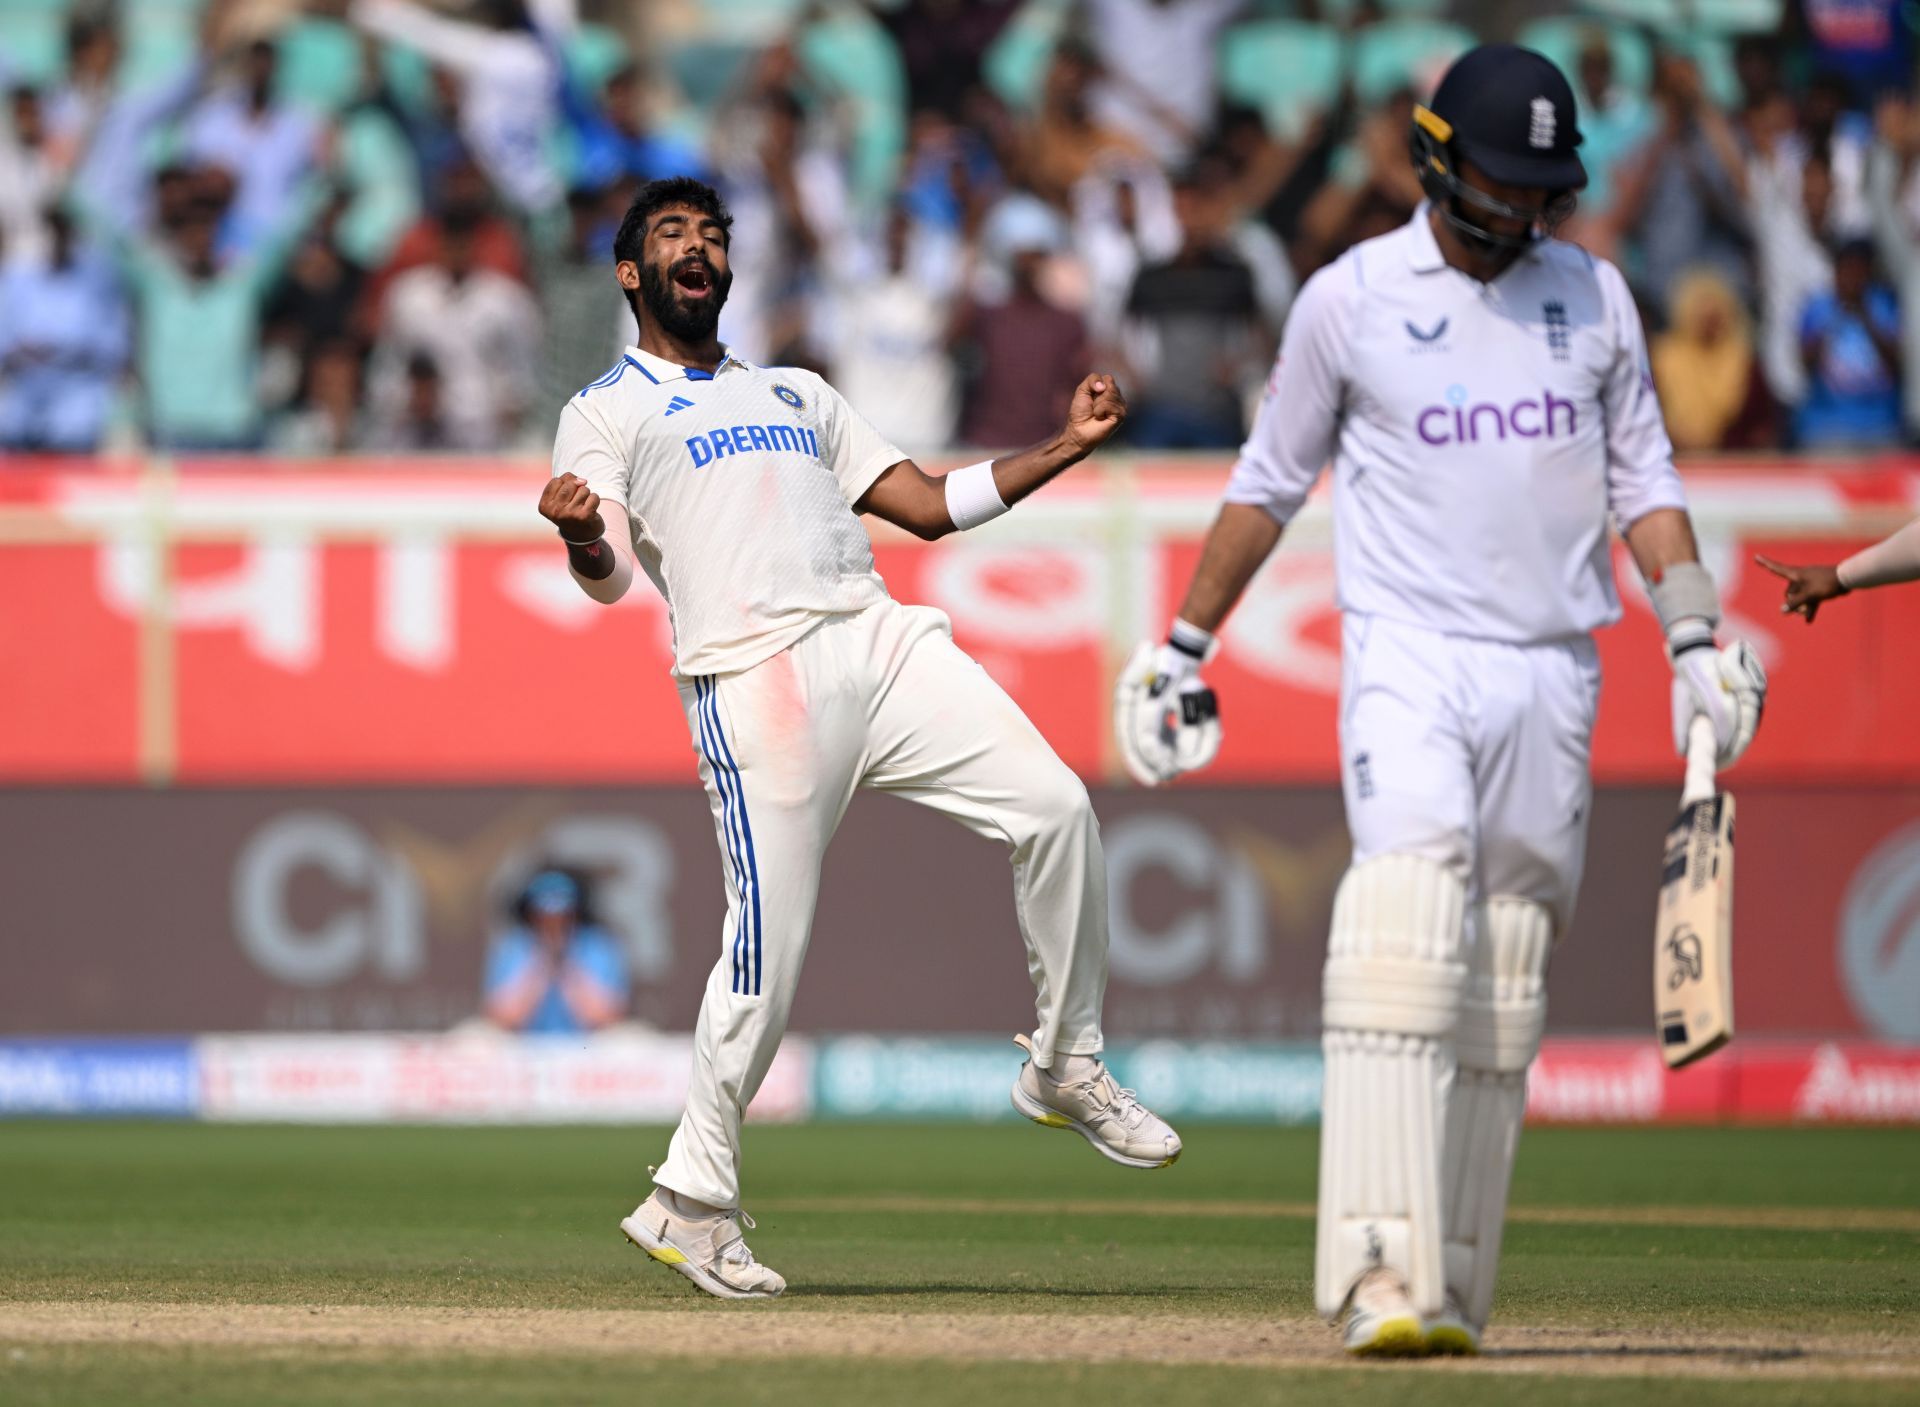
column 1394, row 982
column 1499, row 1035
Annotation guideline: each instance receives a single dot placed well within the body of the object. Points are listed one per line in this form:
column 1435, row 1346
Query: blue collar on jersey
column 660, row 371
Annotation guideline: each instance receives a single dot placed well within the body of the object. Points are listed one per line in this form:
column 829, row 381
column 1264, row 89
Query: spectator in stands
column 373, row 163
column 417, row 422
column 942, row 45
column 1682, row 195
column 463, row 200
column 327, row 418
column 64, row 341
column 1708, row 374
column 1123, row 220
column 614, row 141
column 1065, row 142
column 1193, row 340
column 76, row 107
column 1789, row 201
column 1615, row 121
column 1160, row 64
column 1893, row 197
column 586, row 319
column 787, row 187
column 482, row 331
column 891, row 360
column 199, row 314
column 1023, row 351
column 509, row 78
column 1371, row 187
column 270, row 147
column 1850, row 338
column 29, row 180
column 556, row 972
column 312, row 304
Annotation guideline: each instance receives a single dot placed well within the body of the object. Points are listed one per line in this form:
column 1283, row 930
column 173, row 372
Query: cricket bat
column 1693, row 930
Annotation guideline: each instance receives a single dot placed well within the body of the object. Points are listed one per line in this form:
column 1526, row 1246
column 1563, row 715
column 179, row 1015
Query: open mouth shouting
column 694, row 278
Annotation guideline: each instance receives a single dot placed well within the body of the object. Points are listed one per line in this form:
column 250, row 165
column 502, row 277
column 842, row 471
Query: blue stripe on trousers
column 746, row 828
column 729, row 827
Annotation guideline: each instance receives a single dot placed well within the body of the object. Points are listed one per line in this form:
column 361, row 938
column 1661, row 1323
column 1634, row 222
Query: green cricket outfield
column 928, row 1265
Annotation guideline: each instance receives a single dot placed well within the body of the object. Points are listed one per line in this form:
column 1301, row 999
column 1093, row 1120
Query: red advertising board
column 392, row 623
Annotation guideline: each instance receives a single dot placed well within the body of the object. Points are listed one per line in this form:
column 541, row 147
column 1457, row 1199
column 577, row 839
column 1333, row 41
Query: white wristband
column 972, row 498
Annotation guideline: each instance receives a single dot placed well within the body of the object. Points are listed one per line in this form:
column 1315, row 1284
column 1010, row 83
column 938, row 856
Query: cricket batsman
column 1482, row 392
column 737, row 489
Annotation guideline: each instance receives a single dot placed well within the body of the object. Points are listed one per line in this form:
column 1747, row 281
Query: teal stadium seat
column 1288, row 70
column 33, row 47
column 156, row 38
column 1405, row 54
column 319, row 64
column 594, row 53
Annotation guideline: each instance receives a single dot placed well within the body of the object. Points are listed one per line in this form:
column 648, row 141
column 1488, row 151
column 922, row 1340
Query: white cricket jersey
column 740, row 486
column 1480, row 434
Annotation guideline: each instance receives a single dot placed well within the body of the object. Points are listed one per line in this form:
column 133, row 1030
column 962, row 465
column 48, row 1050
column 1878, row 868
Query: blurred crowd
column 385, row 226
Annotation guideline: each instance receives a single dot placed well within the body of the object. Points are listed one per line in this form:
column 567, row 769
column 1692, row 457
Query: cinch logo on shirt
column 745, row 439
column 1458, row 423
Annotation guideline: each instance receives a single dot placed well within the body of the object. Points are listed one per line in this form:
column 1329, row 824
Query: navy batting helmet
column 1509, row 111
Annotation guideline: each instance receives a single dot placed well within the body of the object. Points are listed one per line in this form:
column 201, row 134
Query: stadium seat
column 156, row 38
column 32, row 41
column 319, row 64
column 594, row 53
column 1286, row 69
column 1405, row 53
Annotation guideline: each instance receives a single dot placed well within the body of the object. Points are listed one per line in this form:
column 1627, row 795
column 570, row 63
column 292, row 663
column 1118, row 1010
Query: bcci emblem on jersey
column 790, row 396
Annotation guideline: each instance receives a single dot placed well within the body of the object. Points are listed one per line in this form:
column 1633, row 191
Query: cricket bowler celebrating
column 1482, row 392
column 737, row 487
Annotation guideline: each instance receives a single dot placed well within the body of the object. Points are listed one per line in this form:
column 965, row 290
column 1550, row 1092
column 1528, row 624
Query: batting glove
column 1726, row 686
column 1165, row 719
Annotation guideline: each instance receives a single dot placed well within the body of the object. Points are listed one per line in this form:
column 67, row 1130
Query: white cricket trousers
column 883, row 699
column 1471, row 753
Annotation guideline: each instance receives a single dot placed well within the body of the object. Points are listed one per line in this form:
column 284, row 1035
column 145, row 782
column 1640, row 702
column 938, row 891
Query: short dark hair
column 656, row 196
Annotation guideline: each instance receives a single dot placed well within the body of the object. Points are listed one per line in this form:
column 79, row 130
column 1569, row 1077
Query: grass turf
column 523, row 1218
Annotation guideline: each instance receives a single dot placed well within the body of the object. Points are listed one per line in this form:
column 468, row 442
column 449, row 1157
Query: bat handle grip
column 1701, row 755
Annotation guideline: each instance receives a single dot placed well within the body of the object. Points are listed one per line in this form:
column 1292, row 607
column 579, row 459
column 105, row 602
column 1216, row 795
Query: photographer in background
column 555, row 972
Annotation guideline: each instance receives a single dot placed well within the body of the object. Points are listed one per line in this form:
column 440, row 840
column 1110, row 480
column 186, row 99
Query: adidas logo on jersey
column 676, row 404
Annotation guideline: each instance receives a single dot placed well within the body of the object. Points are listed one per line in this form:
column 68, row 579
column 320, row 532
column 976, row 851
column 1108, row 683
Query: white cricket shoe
column 1112, row 1119
column 1452, row 1333
column 709, row 1251
column 1380, row 1321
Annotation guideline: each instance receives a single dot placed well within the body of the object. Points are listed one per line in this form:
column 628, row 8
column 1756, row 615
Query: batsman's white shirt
column 1480, row 434
column 1480, row 437
column 739, row 486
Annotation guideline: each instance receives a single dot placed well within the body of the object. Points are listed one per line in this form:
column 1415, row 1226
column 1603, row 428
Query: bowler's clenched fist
column 1097, row 411
column 572, row 507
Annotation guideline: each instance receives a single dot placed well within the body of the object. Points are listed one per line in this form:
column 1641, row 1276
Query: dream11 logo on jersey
column 1532, row 418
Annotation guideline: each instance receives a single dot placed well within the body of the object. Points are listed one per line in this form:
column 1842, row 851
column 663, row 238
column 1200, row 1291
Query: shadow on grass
column 921, row 1288
column 1728, row 1353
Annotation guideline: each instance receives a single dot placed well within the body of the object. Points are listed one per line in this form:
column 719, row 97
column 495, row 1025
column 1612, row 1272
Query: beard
column 685, row 322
